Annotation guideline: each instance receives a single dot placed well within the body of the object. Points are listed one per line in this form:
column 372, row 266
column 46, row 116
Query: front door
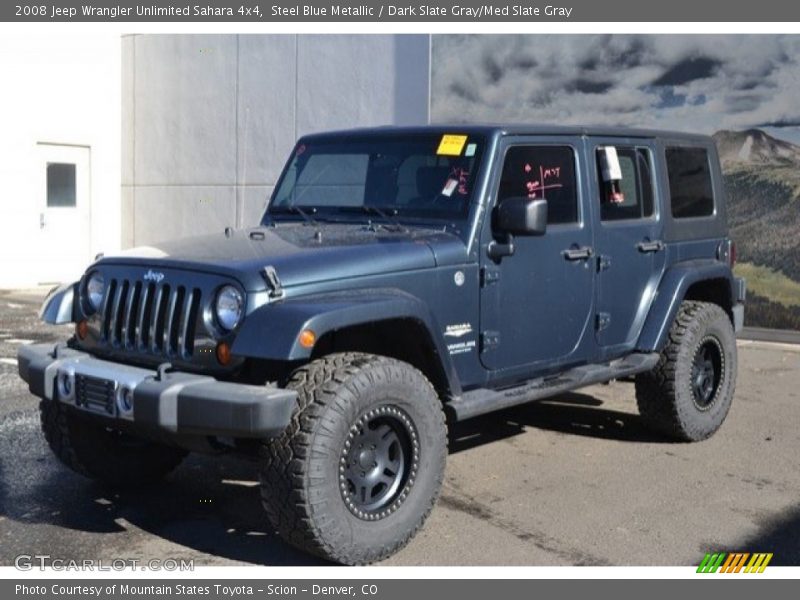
column 537, row 304
column 64, row 212
column 628, row 240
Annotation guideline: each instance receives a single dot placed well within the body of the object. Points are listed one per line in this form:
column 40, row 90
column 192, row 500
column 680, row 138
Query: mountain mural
column 743, row 87
column 755, row 147
column 762, row 182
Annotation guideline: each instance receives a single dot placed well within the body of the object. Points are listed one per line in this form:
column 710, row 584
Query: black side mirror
column 520, row 215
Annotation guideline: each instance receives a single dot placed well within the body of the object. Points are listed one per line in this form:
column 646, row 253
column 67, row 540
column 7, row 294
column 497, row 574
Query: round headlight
column 229, row 307
column 95, row 288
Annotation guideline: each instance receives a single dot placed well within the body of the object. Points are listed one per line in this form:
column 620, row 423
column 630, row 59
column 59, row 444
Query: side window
column 690, row 188
column 632, row 196
column 542, row 172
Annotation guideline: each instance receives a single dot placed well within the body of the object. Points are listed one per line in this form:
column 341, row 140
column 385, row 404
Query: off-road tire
column 104, row 454
column 301, row 476
column 665, row 396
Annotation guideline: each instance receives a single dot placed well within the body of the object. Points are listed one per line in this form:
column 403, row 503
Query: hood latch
column 273, row 282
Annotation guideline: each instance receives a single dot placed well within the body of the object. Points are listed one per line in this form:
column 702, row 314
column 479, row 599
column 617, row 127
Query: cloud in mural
column 694, row 83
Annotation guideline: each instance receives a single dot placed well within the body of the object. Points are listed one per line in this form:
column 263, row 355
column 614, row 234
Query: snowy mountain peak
column 754, row 146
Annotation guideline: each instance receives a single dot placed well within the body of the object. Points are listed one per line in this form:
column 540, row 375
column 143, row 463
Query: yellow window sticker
column 451, row 145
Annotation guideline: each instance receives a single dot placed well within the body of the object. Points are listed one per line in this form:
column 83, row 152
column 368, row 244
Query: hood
column 300, row 253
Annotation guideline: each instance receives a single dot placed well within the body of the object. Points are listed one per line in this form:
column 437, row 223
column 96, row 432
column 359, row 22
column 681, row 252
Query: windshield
column 427, row 176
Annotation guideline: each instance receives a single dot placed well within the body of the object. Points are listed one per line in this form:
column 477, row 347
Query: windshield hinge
column 271, row 277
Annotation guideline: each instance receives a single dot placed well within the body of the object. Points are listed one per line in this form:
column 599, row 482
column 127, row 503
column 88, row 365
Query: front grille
column 94, row 394
column 150, row 317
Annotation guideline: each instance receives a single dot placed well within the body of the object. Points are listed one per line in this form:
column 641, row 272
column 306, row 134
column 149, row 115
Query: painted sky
column 700, row 83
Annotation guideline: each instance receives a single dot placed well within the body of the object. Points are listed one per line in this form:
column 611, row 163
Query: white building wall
column 208, row 120
column 57, row 89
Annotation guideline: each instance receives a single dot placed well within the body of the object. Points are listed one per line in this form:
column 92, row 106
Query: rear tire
column 104, row 454
column 360, row 467
column 689, row 392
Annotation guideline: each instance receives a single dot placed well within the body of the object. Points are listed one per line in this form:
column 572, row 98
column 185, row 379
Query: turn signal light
column 223, row 354
column 307, row 338
column 82, row 329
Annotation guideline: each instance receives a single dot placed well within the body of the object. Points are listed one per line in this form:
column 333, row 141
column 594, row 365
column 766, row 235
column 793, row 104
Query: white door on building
column 64, row 212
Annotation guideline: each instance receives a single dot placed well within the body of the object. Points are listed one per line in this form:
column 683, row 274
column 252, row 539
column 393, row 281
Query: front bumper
column 180, row 403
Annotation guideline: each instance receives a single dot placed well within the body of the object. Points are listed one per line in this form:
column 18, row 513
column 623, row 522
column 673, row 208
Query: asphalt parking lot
column 572, row 481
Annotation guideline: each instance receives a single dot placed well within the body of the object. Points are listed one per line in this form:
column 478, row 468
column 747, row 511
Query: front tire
column 360, row 466
column 689, row 393
column 104, row 454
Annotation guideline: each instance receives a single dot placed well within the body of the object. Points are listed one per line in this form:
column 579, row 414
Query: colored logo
column 735, row 562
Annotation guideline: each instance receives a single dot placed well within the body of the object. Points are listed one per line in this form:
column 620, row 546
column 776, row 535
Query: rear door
column 628, row 237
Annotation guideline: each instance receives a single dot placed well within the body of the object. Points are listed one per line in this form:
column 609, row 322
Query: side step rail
column 481, row 401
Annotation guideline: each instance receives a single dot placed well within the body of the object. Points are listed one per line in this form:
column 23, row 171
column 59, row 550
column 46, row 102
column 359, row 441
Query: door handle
column 41, row 220
column 578, row 253
column 648, row 246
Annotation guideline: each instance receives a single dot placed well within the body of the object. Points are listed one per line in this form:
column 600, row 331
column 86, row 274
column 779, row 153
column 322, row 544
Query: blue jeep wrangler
column 401, row 278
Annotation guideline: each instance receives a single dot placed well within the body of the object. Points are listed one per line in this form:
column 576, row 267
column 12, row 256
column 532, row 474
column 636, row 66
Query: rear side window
column 689, row 182
column 632, row 196
column 542, row 172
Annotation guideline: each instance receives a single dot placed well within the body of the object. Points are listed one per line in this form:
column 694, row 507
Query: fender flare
column 60, row 304
column 671, row 292
column 271, row 331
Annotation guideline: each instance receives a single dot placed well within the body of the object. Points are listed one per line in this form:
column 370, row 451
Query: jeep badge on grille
column 153, row 276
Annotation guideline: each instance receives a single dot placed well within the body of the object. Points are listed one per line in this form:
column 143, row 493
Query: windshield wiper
column 296, row 210
column 388, row 214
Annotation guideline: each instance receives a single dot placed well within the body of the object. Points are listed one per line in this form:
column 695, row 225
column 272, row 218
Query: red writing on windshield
column 460, row 175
